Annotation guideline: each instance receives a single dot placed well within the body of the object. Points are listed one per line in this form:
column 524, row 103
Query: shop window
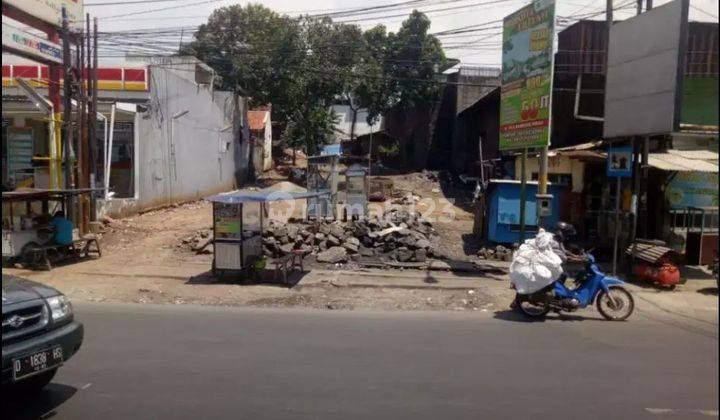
column 122, row 166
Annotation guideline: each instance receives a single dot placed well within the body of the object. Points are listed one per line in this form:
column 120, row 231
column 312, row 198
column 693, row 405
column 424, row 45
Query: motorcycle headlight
column 60, row 307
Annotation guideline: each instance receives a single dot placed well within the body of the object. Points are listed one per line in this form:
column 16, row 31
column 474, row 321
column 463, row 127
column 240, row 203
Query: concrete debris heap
column 498, row 252
column 397, row 236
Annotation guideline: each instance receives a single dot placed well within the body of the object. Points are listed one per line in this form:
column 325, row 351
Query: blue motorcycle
column 613, row 301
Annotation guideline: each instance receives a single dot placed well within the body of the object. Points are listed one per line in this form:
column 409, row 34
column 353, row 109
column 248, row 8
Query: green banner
column 527, row 76
column 700, row 101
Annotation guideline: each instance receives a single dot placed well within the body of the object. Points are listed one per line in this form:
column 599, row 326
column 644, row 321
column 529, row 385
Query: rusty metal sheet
column 650, row 253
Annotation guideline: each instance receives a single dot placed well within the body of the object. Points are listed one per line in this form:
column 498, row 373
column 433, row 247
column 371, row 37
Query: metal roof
column 40, row 194
column 257, row 119
column 672, row 161
column 648, row 252
column 238, row 197
column 695, row 154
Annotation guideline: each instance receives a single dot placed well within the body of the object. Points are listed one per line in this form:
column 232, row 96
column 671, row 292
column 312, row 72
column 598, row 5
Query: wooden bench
column 80, row 248
column 288, row 263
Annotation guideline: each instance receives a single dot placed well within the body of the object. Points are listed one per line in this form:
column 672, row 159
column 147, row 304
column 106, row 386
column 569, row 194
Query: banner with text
column 29, row 45
column 526, row 90
column 50, row 11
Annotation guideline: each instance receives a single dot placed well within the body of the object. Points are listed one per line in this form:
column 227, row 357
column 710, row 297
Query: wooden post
column 67, row 110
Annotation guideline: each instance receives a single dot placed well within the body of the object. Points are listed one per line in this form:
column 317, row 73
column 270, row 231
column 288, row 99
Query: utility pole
column 67, row 111
column 92, row 119
column 55, row 71
column 608, row 24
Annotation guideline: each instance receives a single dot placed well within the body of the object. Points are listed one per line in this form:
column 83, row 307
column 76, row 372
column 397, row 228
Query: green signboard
column 700, row 101
column 527, row 76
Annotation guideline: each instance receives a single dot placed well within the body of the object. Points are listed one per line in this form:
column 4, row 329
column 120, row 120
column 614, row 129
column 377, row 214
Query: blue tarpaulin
column 238, row 197
column 330, row 149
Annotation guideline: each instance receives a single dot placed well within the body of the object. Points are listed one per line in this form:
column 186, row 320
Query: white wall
column 344, row 114
column 267, row 145
column 192, row 156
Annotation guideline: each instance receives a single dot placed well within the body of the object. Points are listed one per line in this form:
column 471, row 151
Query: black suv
column 38, row 332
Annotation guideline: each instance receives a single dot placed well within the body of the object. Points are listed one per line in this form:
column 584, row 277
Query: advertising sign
column 526, row 89
column 29, row 45
column 644, row 92
column 619, row 162
column 692, row 189
column 51, row 10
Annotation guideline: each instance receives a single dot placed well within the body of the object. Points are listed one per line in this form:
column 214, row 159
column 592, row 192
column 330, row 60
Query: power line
column 158, row 10
column 122, row 3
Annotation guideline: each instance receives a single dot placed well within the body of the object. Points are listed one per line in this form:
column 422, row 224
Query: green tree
column 302, row 66
column 414, row 59
column 375, row 90
column 254, row 50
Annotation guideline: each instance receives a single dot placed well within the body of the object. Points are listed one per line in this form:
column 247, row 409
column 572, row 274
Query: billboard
column 643, row 89
column 29, row 45
column 526, row 91
column 51, row 10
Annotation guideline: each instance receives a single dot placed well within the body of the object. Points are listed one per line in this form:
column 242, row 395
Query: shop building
column 172, row 137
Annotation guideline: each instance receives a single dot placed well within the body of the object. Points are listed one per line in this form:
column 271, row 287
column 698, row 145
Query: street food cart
column 356, row 186
column 238, row 220
column 27, row 234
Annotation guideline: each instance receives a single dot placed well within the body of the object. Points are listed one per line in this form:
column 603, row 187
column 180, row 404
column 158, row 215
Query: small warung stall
column 37, row 231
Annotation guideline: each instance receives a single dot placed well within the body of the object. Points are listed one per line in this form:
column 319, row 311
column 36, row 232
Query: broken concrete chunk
column 287, row 248
column 337, row 231
column 332, row 240
column 351, row 247
column 292, row 231
column 366, row 252
column 336, row 254
column 404, row 254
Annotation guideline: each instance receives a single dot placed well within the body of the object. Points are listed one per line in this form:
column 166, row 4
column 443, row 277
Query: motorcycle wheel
column 619, row 308
column 530, row 309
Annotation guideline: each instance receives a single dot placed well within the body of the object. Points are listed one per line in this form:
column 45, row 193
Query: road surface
column 192, row 362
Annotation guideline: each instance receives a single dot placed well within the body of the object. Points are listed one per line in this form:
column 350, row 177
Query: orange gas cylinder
column 666, row 274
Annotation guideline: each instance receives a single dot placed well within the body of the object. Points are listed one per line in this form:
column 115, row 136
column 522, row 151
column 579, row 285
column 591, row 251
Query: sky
column 472, row 49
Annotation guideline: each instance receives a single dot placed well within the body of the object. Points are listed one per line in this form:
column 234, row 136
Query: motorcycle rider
column 563, row 232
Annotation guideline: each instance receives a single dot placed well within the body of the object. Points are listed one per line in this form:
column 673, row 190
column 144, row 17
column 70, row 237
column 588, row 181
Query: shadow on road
column 514, row 316
column 39, row 405
column 265, row 277
column 711, row 291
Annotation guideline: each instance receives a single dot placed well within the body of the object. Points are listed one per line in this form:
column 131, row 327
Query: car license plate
column 37, row 362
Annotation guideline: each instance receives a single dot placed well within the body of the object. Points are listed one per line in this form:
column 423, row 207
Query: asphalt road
column 185, row 362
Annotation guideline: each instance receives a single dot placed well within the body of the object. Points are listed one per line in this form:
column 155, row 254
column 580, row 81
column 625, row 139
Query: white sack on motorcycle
column 535, row 265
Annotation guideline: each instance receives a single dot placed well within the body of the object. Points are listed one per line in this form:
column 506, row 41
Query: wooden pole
column 67, row 111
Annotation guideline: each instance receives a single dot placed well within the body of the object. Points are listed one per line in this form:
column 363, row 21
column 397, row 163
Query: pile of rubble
column 398, row 236
column 498, row 252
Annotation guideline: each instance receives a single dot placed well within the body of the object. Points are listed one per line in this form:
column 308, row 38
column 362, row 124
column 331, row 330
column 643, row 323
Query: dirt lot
column 143, row 261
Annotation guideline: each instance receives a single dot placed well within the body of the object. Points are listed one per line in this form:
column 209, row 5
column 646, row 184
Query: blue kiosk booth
column 503, row 201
